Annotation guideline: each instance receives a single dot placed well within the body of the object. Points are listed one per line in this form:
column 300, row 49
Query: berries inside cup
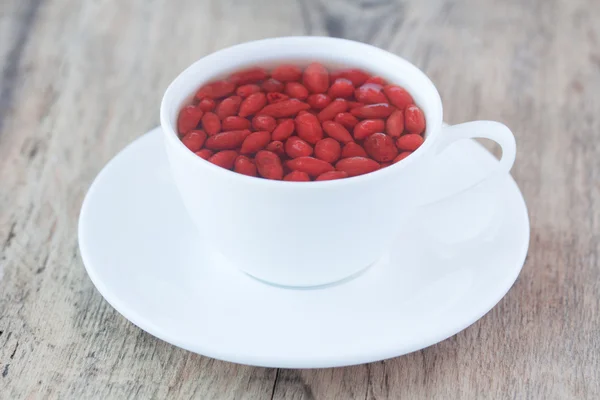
column 302, row 124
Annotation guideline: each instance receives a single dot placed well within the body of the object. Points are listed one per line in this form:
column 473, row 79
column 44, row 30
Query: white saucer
column 145, row 258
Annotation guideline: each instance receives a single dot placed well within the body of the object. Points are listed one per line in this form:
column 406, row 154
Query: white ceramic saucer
column 146, row 259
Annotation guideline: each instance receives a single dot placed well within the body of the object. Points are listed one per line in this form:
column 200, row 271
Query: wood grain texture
column 80, row 80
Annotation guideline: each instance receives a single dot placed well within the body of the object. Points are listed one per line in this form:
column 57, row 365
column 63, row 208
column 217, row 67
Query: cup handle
column 495, row 131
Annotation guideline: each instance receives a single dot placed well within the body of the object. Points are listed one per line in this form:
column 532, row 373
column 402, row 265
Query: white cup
column 315, row 233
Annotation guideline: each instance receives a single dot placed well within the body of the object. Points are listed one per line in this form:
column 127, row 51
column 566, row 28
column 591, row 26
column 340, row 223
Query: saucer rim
column 276, row 361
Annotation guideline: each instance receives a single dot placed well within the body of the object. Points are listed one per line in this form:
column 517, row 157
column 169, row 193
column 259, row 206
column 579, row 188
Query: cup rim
column 168, row 125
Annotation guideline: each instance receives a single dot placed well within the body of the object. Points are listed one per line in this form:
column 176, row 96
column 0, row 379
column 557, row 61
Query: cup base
column 319, row 286
column 217, row 258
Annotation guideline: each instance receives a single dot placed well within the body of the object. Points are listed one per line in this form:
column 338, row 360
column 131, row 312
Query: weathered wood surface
column 81, row 79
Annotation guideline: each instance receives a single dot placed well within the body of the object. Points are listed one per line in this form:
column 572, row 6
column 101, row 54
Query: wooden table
column 80, row 80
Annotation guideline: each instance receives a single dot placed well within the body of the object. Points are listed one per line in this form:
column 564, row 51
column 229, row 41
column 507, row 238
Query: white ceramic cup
column 311, row 233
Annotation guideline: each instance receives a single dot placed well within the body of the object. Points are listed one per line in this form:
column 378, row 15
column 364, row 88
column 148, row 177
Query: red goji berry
column 194, row 140
column 380, row 147
column 215, row 90
column 312, row 166
column 188, row 119
column 367, row 127
column 211, row 123
column 379, row 110
column 287, row 73
column 331, row 175
column 264, row 123
column 250, row 75
column 353, row 149
column 246, row 90
column 244, row 165
column 414, row 120
column 255, row 141
column 286, row 108
column 296, row 147
column 268, row 165
column 284, row 130
column 308, row 128
column 409, row 142
column 354, row 166
column 224, row 159
column 398, row 96
column 316, row 78
column 226, row 140
column 296, row 90
column 252, row 104
column 297, row 176
column 337, row 131
column 329, row 150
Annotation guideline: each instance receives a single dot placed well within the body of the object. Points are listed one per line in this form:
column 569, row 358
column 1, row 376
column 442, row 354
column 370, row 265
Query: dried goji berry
column 296, row 147
column 250, row 75
column 228, row 107
column 297, row 176
column 194, row 140
column 368, row 127
column 276, row 147
column 264, row 123
column 309, row 128
column 376, row 79
column 380, row 147
column 394, row 125
column 414, row 120
column 211, row 123
column 286, row 108
column 356, row 76
column 287, row 73
column 354, row 166
column 188, row 119
column 244, row 165
column 204, row 153
column 268, row 165
column 402, row 156
column 409, row 142
column 275, row 97
column 272, row 85
column 379, row 110
column 354, row 104
column 316, row 78
column 234, row 123
column 348, row 120
column 353, row 149
column 341, row 88
column 337, row 131
column 255, row 141
column 318, row 101
column 215, row 90
column 312, row 166
column 226, row 140
column 206, row 104
column 331, row 175
column 296, row 90
column 252, row 104
column 284, row 130
column 329, row 150
column 370, row 93
column 224, row 159
column 335, row 107
column 398, row 96
column 246, row 90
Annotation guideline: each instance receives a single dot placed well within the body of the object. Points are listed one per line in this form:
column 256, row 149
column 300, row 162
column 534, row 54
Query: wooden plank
column 80, row 80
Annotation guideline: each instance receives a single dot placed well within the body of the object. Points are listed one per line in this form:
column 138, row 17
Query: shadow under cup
column 290, row 233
